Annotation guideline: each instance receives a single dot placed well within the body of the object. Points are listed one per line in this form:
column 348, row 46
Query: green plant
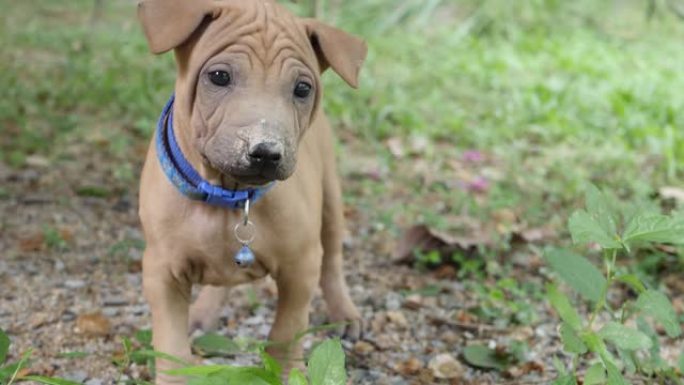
column 325, row 366
column 607, row 333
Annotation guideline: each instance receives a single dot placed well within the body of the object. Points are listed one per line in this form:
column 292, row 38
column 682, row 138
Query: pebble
column 74, row 283
column 110, row 311
column 76, row 376
column 445, row 366
column 114, row 300
column 393, row 301
column 94, row 381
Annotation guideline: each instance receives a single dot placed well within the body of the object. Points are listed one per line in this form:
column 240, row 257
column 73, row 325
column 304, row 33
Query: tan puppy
column 246, row 113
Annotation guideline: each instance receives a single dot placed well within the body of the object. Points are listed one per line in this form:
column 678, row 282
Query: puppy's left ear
column 169, row 23
column 337, row 49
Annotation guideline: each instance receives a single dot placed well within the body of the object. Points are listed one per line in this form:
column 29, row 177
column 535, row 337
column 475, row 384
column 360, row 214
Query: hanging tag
column 244, row 233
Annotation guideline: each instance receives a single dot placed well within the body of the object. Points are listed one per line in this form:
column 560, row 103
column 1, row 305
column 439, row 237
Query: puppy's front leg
column 296, row 283
column 168, row 295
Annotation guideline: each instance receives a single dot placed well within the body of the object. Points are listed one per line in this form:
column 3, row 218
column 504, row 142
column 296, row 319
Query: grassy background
column 558, row 93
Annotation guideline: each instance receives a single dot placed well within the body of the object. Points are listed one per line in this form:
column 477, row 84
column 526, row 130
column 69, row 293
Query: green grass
column 559, row 93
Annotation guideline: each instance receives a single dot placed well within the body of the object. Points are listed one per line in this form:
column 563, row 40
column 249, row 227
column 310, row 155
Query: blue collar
column 186, row 179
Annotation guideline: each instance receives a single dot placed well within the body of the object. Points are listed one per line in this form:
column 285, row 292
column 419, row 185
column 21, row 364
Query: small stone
column 76, row 376
column 445, row 366
column 413, row 302
column 363, row 348
column 397, row 318
column 94, row 381
column 393, row 301
column 74, row 283
column 110, row 311
column 114, row 300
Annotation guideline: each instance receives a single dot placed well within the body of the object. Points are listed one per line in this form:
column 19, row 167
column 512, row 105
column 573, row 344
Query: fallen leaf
column 35, row 242
column 424, row 239
column 93, row 324
column 410, row 367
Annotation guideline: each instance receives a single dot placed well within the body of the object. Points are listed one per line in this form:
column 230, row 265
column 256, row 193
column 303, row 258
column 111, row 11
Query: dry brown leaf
column 35, row 242
column 93, row 324
column 410, row 367
column 422, row 238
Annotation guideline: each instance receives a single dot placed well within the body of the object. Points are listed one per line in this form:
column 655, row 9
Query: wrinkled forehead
column 263, row 30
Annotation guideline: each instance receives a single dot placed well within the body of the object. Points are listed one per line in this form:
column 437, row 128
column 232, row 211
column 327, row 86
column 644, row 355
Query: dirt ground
column 70, row 282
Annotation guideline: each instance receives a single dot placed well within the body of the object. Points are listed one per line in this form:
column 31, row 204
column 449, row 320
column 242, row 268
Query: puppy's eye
column 302, row 89
column 219, row 78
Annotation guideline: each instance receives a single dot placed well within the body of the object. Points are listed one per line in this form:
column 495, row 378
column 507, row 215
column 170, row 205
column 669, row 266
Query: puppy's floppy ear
column 337, row 49
column 169, row 23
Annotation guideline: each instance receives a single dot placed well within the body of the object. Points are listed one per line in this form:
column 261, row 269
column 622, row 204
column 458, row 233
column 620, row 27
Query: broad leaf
column 271, row 365
column 599, row 207
column 212, row 344
column 577, row 272
column 204, row 370
column 624, row 337
column 566, row 379
column 565, row 310
column 595, row 344
column 584, row 228
column 4, row 346
column 251, row 376
column 654, row 228
column 632, row 281
column 50, row 380
column 655, row 304
column 614, row 375
column 139, row 354
column 571, row 341
column 482, row 357
column 297, row 378
column 326, row 365
column 596, row 374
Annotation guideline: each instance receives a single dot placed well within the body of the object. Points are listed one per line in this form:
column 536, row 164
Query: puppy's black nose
column 266, row 153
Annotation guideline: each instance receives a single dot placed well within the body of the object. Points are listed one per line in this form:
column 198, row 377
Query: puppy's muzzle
column 265, row 156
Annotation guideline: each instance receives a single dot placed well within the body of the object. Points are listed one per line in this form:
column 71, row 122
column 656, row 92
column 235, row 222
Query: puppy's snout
column 266, row 153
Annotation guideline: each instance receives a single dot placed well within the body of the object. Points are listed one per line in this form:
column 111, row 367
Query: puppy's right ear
column 169, row 23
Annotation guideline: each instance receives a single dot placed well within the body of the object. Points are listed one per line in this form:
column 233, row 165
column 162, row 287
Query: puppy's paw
column 349, row 321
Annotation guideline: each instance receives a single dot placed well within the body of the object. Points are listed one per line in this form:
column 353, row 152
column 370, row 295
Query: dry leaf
column 410, row 367
column 93, row 324
column 422, row 238
column 35, row 242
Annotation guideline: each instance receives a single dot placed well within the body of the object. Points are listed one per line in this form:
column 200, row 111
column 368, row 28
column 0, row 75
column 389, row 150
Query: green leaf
column 654, row 228
column 614, row 375
column 586, row 229
column 596, row 374
column 326, row 365
column 624, row 337
column 482, row 357
column 599, row 206
column 144, row 336
column 577, row 272
column 212, row 344
column 655, row 304
column 73, row 355
column 4, row 346
column 565, row 310
column 566, row 379
column 50, row 380
column 571, row 341
column 595, row 344
column 271, row 365
column 632, row 281
column 251, row 376
column 297, row 378
column 681, row 362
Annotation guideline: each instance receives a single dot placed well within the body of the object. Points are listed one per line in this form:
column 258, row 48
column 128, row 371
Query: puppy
column 240, row 179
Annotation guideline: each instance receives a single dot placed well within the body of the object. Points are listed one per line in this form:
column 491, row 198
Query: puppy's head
column 248, row 82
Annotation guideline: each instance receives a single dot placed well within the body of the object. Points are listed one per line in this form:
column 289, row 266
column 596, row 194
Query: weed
column 617, row 230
